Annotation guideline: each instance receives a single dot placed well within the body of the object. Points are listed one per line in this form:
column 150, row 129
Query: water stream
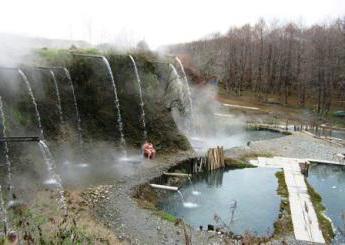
column 189, row 92
column 56, row 85
column 3, row 212
column 7, row 158
column 27, row 83
column 177, row 87
column 117, row 105
column 141, row 97
column 68, row 75
column 54, row 178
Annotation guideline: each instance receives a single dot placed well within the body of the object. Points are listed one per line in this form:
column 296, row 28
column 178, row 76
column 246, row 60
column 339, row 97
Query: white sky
column 159, row 22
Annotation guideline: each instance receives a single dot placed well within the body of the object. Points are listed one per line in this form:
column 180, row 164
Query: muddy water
column 248, row 193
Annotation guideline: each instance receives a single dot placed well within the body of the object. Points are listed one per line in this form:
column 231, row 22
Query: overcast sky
column 159, row 22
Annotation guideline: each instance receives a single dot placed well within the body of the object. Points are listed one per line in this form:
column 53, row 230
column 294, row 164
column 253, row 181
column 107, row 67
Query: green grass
column 237, row 164
column 166, row 216
column 325, row 224
column 283, row 225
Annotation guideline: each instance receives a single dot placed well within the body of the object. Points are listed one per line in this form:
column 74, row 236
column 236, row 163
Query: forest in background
column 290, row 63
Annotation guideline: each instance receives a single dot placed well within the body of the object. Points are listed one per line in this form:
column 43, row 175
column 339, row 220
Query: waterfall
column 194, row 191
column 26, row 80
column 54, row 178
column 189, row 93
column 141, row 96
column 3, row 211
column 185, row 79
column 181, row 195
column 117, row 104
column 178, row 85
column 57, row 95
column 68, row 75
column 8, row 162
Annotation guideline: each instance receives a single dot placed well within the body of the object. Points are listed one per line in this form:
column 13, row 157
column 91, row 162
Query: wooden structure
column 304, row 218
column 215, row 158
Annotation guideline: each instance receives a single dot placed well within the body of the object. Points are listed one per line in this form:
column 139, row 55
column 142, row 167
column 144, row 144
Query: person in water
column 149, row 150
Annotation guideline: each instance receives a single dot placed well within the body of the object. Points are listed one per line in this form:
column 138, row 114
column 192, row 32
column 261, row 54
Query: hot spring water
column 178, row 85
column 48, row 158
column 117, row 104
column 3, row 211
column 189, row 92
column 57, row 95
column 7, row 158
column 9, row 171
column 68, row 75
column 54, row 178
column 28, row 86
column 141, row 97
column 329, row 182
column 252, row 189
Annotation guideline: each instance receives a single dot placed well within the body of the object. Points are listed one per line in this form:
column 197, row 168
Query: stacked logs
column 215, row 158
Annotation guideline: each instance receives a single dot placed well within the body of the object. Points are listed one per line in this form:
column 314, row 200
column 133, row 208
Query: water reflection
column 253, row 190
column 329, row 182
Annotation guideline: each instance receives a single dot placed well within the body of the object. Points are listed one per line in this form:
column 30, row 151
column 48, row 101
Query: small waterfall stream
column 54, row 178
column 181, row 195
column 57, row 95
column 141, row 97
column 68, row 75
column 178, row 83
column 189, row 92
column 7, row 158
column 194, row 191
column 26, row 80
column 117, row 104
column 3, row 212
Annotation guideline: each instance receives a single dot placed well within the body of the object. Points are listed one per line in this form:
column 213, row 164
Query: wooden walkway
column 305, row 223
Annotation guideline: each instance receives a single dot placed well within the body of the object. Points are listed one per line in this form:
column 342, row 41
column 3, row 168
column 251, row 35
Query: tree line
column 281, row 61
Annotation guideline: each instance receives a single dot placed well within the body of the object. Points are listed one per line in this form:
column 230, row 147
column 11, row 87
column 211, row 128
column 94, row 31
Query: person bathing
column 148, row 150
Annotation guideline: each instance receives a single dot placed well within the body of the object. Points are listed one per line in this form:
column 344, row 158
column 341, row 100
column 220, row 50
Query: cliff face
column 95, row 98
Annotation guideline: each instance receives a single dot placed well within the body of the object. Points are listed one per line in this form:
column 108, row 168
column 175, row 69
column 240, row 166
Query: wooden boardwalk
column 305, row 223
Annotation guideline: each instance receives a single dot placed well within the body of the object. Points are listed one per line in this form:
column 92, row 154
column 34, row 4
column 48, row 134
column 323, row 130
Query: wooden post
column 215, row 158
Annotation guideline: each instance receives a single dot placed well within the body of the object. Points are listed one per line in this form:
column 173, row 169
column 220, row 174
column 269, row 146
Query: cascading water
column 141, row 96
column 194, row 191
column 54, row 178
column 3, row 211
column 117, row 104
column 68, row 75
column 185, row 79
column 26, row 80
column 7, row 158
column 181, row 195
column 57, row 95
column 186, row 204
column 178, row 85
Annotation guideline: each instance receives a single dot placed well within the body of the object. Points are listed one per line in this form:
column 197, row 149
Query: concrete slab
column 305, row 223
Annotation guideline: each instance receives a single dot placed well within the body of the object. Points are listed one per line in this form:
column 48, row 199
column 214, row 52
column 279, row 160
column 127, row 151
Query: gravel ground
column 135, row 225
column 297, row 145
